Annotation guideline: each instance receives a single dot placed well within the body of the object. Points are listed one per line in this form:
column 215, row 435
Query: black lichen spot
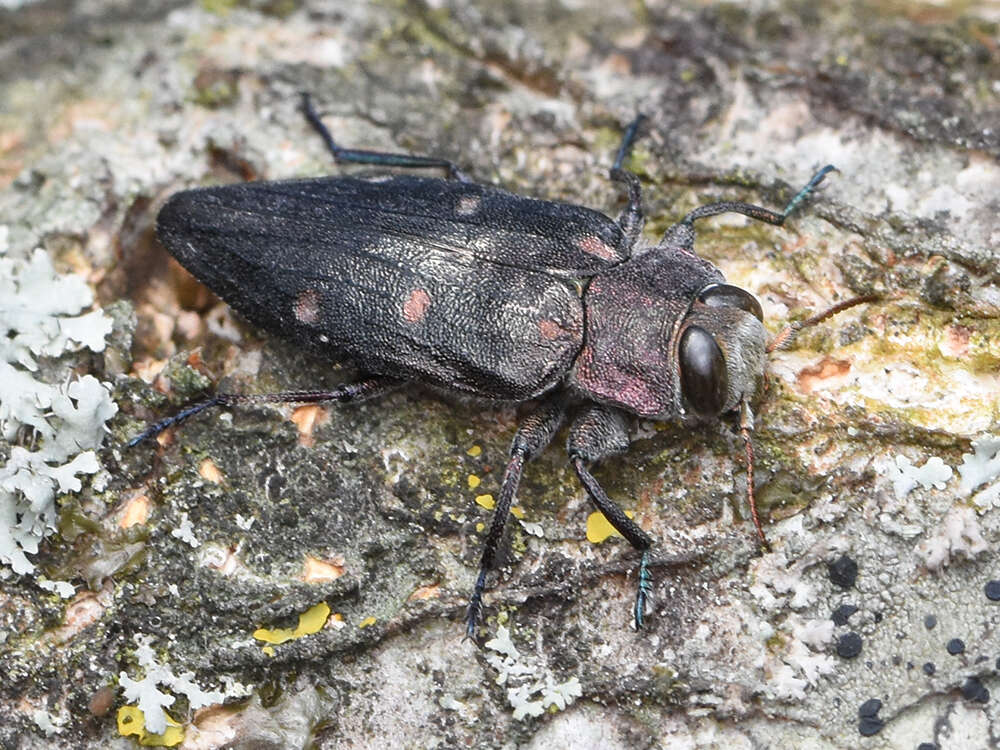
column 930, row 622
column 955, row 646
column 927, row 746
column 843, row 613
column 870, row 707
column 849, row 645
column 929, row 668
column 974, row 690
column 869, row 723
column 843, row 572
column 993, row 591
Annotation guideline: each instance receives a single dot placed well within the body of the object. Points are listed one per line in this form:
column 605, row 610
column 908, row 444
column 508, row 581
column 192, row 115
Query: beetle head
column 721, row 350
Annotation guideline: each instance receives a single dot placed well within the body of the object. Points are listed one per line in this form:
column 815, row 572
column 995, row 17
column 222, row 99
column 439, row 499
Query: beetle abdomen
column 403, row 293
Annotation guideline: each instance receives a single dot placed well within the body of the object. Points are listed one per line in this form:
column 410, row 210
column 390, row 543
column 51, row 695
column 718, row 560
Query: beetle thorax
column 633, row 315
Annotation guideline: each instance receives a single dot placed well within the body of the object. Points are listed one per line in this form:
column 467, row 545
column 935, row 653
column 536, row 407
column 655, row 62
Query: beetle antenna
column 787, row 334
column 746, row 427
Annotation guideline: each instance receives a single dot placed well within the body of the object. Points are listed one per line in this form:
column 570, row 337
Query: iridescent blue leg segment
column 644, row 594
column 810, row 186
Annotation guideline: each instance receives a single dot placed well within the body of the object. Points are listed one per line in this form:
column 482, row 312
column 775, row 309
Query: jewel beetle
column 476, row 291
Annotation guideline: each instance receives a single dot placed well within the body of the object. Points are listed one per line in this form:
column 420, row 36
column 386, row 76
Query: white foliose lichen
column 531, row 687
column 958, row 534
column 145, row 693
column 905, row 476
column 42, row 316
column 982, row 467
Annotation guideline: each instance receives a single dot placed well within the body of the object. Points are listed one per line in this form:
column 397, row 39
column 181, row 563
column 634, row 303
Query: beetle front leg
column 535, row 432
column 682, row 233
column 598, row 432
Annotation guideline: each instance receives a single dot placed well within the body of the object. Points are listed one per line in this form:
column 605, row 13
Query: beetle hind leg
column 357, row 391
column 378, row 158
column 598, row 432
column 535, row 432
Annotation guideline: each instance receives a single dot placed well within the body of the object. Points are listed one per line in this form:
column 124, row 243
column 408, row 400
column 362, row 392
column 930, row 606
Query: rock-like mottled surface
column 866, row 439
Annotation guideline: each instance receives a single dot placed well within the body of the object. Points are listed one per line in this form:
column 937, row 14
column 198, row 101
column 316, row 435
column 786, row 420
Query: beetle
column 477, row 291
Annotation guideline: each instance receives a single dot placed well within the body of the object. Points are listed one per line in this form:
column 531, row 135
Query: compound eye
column 727, row 295
column 703, row 372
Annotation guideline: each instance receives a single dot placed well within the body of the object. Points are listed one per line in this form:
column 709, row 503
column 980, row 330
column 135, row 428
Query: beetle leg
column 631, row 133
column 631, row 219
column 535, row 432
column 359, row 391
column 378, row 158
column 682, row 233
column 601, row 431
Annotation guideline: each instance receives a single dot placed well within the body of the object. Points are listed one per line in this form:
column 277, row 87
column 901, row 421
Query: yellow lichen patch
column 131, row 721
column 486, row 501
column 322, row 571
column 311, row 621
column 473, row 481
column 367, row 622
column 274, row 635
column 306, row 418
column 475, row 451
column 210, row 472
column 426, row 592
column 598, row 528
column 480, row 527
column 518, row 512
column 135, row 512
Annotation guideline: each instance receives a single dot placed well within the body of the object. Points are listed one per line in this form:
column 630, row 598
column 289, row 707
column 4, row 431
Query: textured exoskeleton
column 472, row 289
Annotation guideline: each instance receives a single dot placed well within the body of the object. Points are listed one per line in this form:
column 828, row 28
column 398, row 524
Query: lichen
column 531, row 687
column 311, row 621
column 41, row 313
column 150, row 701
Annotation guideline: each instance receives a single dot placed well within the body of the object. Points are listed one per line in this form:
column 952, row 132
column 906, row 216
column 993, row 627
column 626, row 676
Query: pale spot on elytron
column 416, row 306
column 468, row 205
column 593, row 245
column 306, row 307
column 549, row 329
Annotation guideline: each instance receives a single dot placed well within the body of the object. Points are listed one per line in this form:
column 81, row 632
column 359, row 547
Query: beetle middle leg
column 535, row 432
column 377, row 158
column 631, row 219
column 598, row 432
